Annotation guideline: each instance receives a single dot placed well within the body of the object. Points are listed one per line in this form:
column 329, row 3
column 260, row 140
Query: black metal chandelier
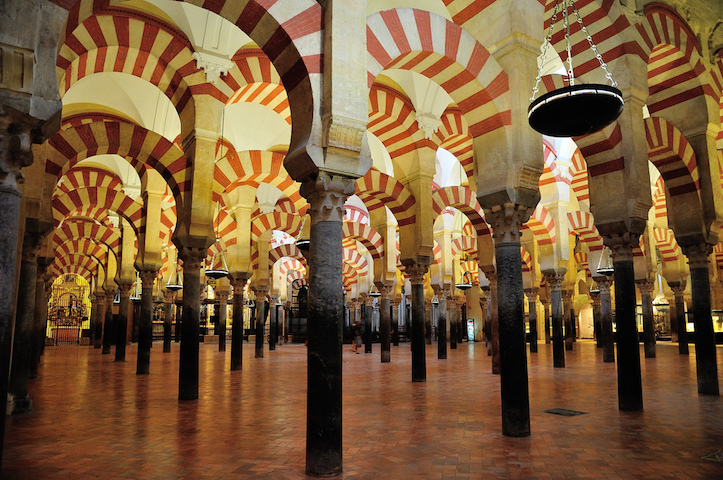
column 573, row 110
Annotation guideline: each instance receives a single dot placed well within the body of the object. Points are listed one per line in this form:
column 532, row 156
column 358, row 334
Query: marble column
column 452, row 316
column 546, row 308
column 96, row 322
column 16, row 136
column 494, row 322
column 395, row 321
column 441, row 322
column 260, row 300
column 193, row 258
column 681, row 322
column 569, row 314
column 416, row 272
column 40, row 314
column 606, row 319
column 121, row 327
column 326, row 196
column 23, row 340
column 532, row 300
column 630, row 388
column 238, row 282
column 385, row 321
column 222, row 297
column 597, row 318
column 145, row 323
column 273, row 319
column 705, row 349
column 554, row 281
column 506, row 220
column 108, row 323
column 646, row 288
column 367, row 311
column 484, row 320
column 169, row 299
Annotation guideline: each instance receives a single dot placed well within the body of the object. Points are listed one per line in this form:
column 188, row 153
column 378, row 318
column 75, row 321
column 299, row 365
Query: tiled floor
column 97, row 419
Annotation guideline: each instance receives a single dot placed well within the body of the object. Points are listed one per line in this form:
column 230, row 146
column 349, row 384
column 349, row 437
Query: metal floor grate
column 565, row 412
column 714, row 457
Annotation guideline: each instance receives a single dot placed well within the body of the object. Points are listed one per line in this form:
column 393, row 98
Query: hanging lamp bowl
column 303, row 244
column 594, row 291
column 216, row 274
column 607, row 271
column 463, row 286
column 174, row 287
column 575, row 110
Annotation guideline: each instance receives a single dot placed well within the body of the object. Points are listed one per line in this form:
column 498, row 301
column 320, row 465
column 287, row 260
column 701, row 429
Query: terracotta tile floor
column 96, row 419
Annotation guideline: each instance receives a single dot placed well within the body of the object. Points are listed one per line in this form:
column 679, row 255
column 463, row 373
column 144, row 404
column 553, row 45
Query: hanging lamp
column 219, row 267
column 605, row 264
column 573, row 110
column 373, row 292
column 466, row 282
column 136, row 294
column 175, row 282
column 302, row 243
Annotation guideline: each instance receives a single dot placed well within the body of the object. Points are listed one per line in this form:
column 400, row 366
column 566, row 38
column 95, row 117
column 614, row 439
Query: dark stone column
column 506, row 221
column 705, row 350
column 192, row 258
column 367, row 310
column 385, row 321
column 237, row 328
column 40, row 314
column 273, row 300
column 606, row 319
column 260, row 320
column 646, row 288
column 169, row 299
column 441, row 322
column 96, row 326
column 673, row 315
column 395, row 322
column 494, row 322
column 569, row 314
column 546, row 307
column 145, row 323
column 452, row 315
column 554, row 280
column 483, row 309
column 630, row 388
column 597, row 318
column 222, row 297
column 121, row 327
column 16, row 136
column 326, row 196
column 680, row 320
column 108, row 327
column 488, row 318
column 532, row 298
column 24, row 340
column 427, row 323
column 416, row 272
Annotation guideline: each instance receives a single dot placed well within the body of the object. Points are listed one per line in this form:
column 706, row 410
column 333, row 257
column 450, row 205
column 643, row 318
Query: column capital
column 125, row 288
column 416, row 271
column 554, row 280
column 531, row 293
column 492, row 277
column 677, row 287
column 646, row 286
column 604, row 284
column 168, row 296
column 386, row 291
column 506, row 220
column 260, row 293
column 148, row 277
column 238, row 280
column 192, row 257
column 621, row 245
column 223, row 295
column 326, row 195
column 566, row 295
column 697, row 254
column 595, row 299
column 32, row 242
column 18, row 131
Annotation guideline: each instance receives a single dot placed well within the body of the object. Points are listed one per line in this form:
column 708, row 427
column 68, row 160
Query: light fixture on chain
column 605, row 264
column 219, row 267
column 302, row 243
column 466, row 281
column 175, row 281
column 573, row 110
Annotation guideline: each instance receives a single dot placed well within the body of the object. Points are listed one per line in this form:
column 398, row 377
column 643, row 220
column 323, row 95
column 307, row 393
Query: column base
column 18, row 406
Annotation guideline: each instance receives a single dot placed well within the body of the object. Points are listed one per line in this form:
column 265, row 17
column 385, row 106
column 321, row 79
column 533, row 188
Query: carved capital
column 492, row 278
column 646, row 287
column 678, row 288
column 506, row 220
column 192, row 257
column 148, row 277
column 326, row 196
column 554, row 280
column 566, row 296
column 595, row 299
column 604, row 285
column 125, row 289
column 261, row 293
column 621, row 245
column 168, row 296
column 16, row 139
column 386, row 291
column 416, row 271
column 32, row 242
column 697, row 255
column 531, row 293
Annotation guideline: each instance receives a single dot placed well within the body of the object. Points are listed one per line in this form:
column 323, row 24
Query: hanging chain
column 546, row 44
column 303, row 222
column 593, row 47
column 568, row 48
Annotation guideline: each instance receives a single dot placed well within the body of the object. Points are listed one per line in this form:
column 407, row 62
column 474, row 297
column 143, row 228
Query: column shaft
column 419, row 366
column 556, row 314
column 190, row 328
column 532, row 296
column 222, row 303
column 646, row 298
column 260, row 323
column 23, row 340
column 705, row 349
column 367, row 311
column 122, row 323
column 385, row 322
column 169, row 302
column 145, row 323
column 237, row 328
column 108, row 322
column 442, row 326
column 682, row 323
column 630, row 389
column 606, row 321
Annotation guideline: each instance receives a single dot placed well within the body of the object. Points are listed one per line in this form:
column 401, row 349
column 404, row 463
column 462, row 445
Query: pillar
column 646, row 288
column 145, row 323
column 367, row 311
column 681, row 322
column 569, row 314
column 484, row 320
column 222, row 297
column 40, row 314
column 169, row 298
column 326, row 196
column 273, row 319
column 597, row 318
column 192, row 258
column 452, row 316
column 606, row 319
column 532, row 299
column 395, row 321
column 260, row 320
column 385, row 321
column 546, row 308
column 494, row 322
column 554, row 280
column 23, row 340
column 238, row 282
column 441, row 322
column 705, row 349
column 108, row 322
column 96, row 322
column 121, row 330
column 630, row 388
column 416, row 272
column 506, row 220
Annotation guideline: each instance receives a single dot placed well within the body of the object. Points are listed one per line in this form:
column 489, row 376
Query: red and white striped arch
column 392, row 120
column 348, row 276
column 355, row 259
column 81, row 246
column 78, row 229
column 379, row 190
column 453, row 135
column 79, row 261
column 81, row 177
column 113, row 200
column 579, row 183
column 581, row 259
column 290, row 224
column 672, row 155
column 583, row 224
column 289, row 250
column 90, row 214
column 365, row 234
column 136, row 144
column 666, row 243
column 526, row 260
column 659, row 202
column 56, row 271
column 603, row 150
column 270, row 95
column 251, row 65
column 464, row 200
column 355, row 214
column 291, row 264
column 225, row 226
column 542, row 226
column 428, row 44
column 718, row 252
column 468, row 245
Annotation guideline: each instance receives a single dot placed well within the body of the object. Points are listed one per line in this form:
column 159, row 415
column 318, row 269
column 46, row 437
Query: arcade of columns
column 185, row 129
